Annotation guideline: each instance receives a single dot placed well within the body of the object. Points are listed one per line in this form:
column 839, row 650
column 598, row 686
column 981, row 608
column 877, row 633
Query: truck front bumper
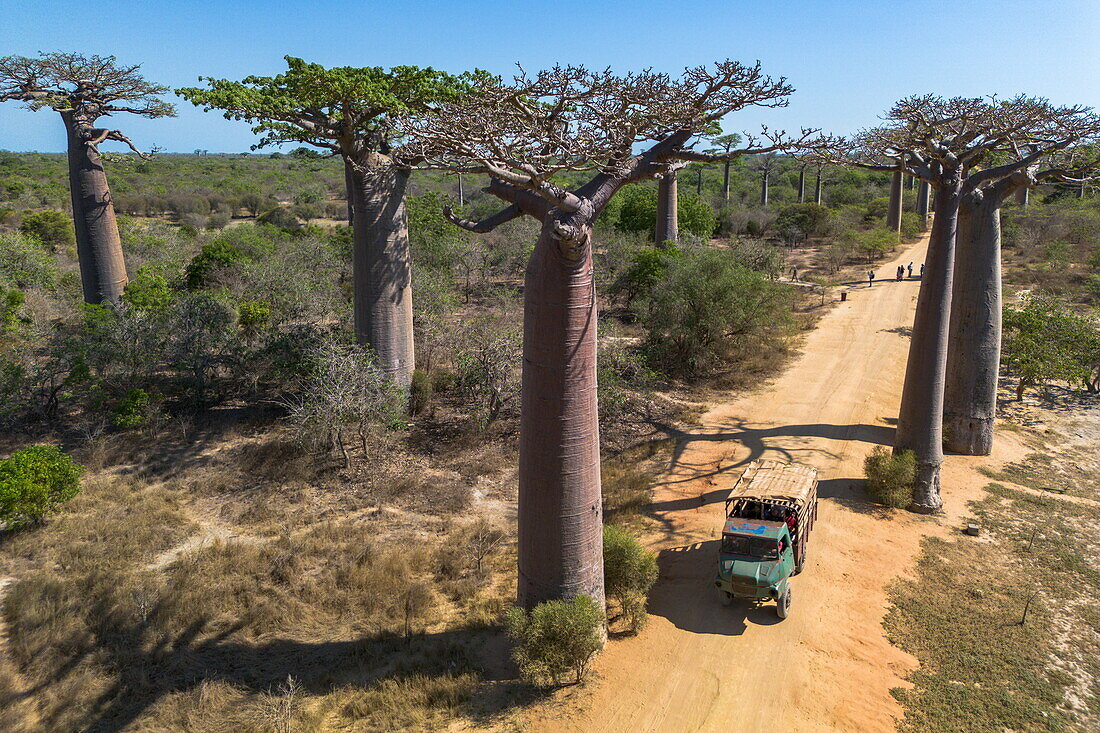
column 746, row 590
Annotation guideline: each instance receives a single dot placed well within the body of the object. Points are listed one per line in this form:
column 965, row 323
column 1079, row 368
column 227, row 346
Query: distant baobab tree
column 523, row 134
column 974, row 342
column 951, row 144
column 724, row 145
column 347, row 111
column 82, row 89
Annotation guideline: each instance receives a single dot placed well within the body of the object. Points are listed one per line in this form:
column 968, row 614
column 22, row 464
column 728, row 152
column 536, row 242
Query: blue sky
column 848, row 60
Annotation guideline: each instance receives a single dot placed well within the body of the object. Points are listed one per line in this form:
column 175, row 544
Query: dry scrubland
column 227, row 567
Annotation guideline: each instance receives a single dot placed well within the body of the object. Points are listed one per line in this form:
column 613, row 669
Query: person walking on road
column 870, row 278
column 922, row 270
column 910, row 269
column 794, row 274
column 901, row 273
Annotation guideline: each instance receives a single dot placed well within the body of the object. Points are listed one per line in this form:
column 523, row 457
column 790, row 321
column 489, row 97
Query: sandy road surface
column 699, row 666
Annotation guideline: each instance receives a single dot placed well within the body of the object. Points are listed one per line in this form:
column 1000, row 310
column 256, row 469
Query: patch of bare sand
column 701, row 666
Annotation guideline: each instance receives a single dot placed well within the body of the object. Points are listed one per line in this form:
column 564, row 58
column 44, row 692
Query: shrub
column 133, row 410
column 148, row 292
column 710, row 308
column 638, row 211
column 50, row 227
column 629, row 571
column 806, row 219
column 890, row 476
column 213, row 256
column 253, row 316
column 420, row 391
column 647, row 267
column 556, row 637
column 34, row 482
column 281, row 218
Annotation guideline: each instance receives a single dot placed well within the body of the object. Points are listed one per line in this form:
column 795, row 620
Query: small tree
column 890, row 476
column 486, row 362
column 1046, row 340
column 629, row 571
column 556, row 637
column 35, row 482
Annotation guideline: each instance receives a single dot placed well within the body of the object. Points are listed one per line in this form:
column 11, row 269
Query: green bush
column 148, row 292
column 890, row 476
column 629, row 571
column 132, row 411
column 556, row 638
column 213, row 256
column 420, row 391
column 806, row 219
column 646, row 269
column 709, row 309
column 253, row 316
column 34, row 482
column 50, row 227
column 910, row 225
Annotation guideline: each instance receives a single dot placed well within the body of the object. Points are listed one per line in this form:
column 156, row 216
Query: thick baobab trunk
column 1023, row 196
column 893, row 212
column 922, row 204
column 802, row 186
column 98, row 246
column 764, row 189
column 974, row 341
column 920, row 420
column 560, row 515
column 726, row 180
column 382, row 269
column 817, row 188
column 668, row 224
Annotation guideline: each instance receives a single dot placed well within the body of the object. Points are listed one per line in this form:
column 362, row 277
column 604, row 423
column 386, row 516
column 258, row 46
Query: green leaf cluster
column 556, row 638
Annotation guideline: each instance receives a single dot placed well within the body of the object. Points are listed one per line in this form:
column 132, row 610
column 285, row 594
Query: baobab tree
column 724, row 145
column 522, row 135
column 765, row 166
column 347, row 110
column 894, row 207
column 83, row 89
column 944, row 142
column 974, row 341
column 668, row 206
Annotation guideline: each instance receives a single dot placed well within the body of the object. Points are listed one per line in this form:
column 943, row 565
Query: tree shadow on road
column 688, row 573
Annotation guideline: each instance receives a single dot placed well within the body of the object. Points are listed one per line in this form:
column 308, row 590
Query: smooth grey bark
column 382, row 269
column 802, row 185
column 893, row 211
column 1023, row 196
column 923, row 193
column 461, row 192
column 974, row 341
column 766, row 174
column 560, row 505
column 817, row 188
column 98, row 245
column 920, row 419
column 668, row 224
column 726, row 180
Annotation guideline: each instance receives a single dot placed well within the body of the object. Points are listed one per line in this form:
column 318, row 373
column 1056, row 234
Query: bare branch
column 485, row 225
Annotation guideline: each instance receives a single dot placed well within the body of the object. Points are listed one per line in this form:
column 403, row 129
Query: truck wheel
column 727, row 598
column 783, row 604
column 801, row 560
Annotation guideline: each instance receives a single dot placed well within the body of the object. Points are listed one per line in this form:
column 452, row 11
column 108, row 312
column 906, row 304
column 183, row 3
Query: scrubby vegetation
column 556, row 638
column 890, row 476
column 629, row 571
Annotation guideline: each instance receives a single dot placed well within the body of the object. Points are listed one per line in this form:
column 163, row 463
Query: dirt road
column 699, row 666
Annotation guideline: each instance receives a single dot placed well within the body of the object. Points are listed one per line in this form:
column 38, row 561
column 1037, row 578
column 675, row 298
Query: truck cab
column 755, row 560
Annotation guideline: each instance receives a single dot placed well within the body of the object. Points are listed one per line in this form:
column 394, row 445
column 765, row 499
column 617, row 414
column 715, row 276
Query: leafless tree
column 82, row 89
column 953, row 144
column 571, row 119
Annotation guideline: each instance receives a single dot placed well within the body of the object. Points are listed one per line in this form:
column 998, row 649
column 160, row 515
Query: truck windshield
column 758, row 548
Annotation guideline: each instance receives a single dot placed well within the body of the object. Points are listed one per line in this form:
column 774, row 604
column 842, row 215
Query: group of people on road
column 900, row 275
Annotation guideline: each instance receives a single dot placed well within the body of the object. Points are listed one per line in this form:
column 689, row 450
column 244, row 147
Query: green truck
column 769, row 514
